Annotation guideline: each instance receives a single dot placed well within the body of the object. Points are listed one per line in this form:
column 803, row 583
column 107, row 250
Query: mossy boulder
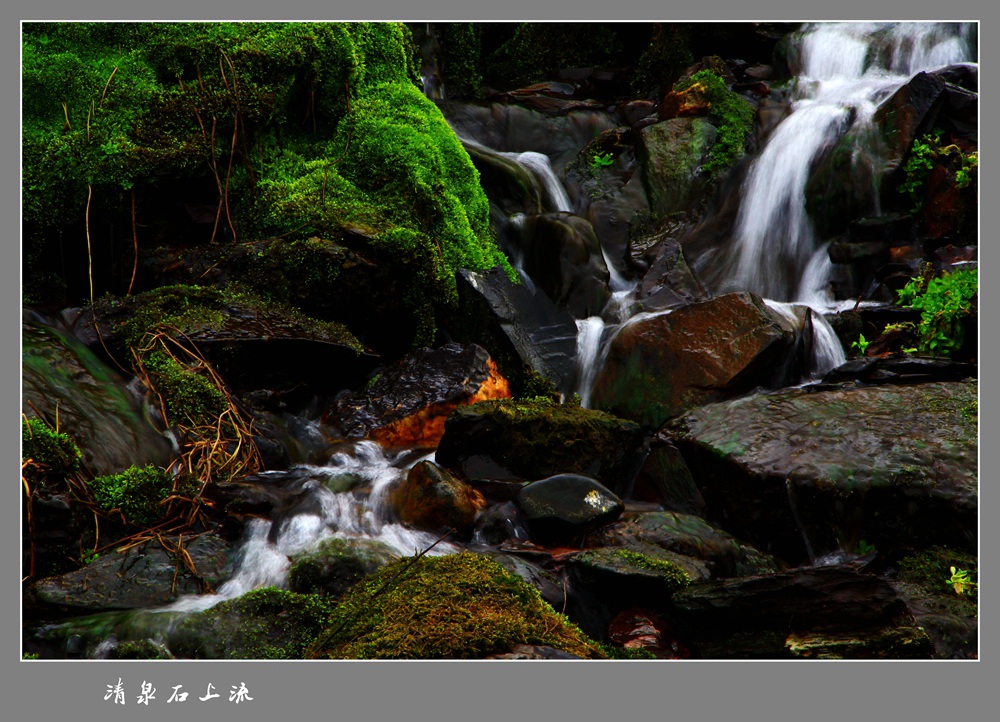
column 433, row 498
column 47, row 454
column 266, row 623
column 537, row 438
column 671, row 154
column 629, row 577
column 139, row 494
column 460, row 606
column 893, row 464
column 287, row 130
column 336, row 565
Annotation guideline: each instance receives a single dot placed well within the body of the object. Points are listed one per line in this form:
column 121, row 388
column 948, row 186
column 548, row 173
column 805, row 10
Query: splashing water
column 845, row 71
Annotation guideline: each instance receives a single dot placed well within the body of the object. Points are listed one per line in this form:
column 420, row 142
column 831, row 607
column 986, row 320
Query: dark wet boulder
column 894, row 464
column 548, row 583
column 901, row 369
column 432, row 498
column 671, row 153
column 562, row 255
column 828, row 612
column 253, row 343
column 336, row 565
column 523, row 330
column 565, row 506
column 662, row 365
column 664, row 479
column 718, row 553
column 538, row 438
column 500, row 523
column 670, row 282
column 649, row 631
column 148, row 575
column 908, row 113
column 622, row 577
column 407, row 402
column 533, row 651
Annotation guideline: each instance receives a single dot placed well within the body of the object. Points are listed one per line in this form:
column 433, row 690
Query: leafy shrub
column 944, row 302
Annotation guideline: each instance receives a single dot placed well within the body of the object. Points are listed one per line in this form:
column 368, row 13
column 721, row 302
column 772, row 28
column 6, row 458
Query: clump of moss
column 460, row 61
column 140, row 649
column 191, row 399
column 266, row 623
column 674, row 575
column 138, row 493
column 53, row 454
column 731, row 114
column 931, row 570
column 456, row 606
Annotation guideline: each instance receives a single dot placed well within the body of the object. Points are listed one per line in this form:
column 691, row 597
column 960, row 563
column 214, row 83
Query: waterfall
column 845, row 70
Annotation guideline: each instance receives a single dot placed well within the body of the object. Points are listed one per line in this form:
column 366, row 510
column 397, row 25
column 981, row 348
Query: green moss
column 137, row 492
column 139, row 649
column 460, row 61
column 676, row 576
column 329, row 129
column 53, row 454
column 931, row 569
column 266, row 623
column 732, row 116
column 191, row 399
column 614, row 651
column 457, row 606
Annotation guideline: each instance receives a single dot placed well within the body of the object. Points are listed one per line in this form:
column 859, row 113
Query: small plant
column 90, row 558
column 861, row 345
column 944, row 303
column 599, row 161
column 961, row 582
column 921, row 160
column 864, row 548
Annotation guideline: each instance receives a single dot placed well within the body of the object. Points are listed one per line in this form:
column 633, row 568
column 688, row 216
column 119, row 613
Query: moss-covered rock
column 46, row 453
column 266, row 623
column 336, row 565
column 455, row 606
column 139, row 493
column 537, row 438
column 296, row 129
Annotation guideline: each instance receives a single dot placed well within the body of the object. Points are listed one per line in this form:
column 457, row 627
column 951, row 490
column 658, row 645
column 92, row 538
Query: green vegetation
column 925, row 151
column 306, row 129
column 861, row 344
column 266, row 623
column 537, row 50
column 731, row 114
column 601, row 161
column 664, row 59
column 676, row 576
column 944, row 303
column 948, row 575
column 138, row 493
column 52, row 454
column 460, row 61
column 456, row 606
column 961, row 582
column 864, row 548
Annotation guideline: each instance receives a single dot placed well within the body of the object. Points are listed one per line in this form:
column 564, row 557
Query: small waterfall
column 844, row 72
column 361, row 513
column 539, row 164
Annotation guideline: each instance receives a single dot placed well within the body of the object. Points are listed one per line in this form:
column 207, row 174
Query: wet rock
column 812, row 611
column 669, row 283
column 500, row 523
column 523, row 331
column 620, row 576
column 664, row 479
column 660, row 366
column 670, row 153
column 894, row 464
column 433, row 498
column 719, row 554
column 336, row 565
column 907, row 114
column 548, row 583
column 534, row 651
column 407, row 403
column 567, row 505
column 62, row 379
column 647, row 630
column 901, row 370
column 562, row 255
column 535, row 439
column 144, row 576
column 692, row 102
column 253, row 343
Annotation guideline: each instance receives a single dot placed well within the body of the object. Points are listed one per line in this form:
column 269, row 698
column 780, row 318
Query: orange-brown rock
column 690, row 102
column 408, row 402
column 433, row 498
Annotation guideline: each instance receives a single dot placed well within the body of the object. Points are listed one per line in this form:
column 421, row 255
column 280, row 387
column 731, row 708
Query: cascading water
column 845, row 71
